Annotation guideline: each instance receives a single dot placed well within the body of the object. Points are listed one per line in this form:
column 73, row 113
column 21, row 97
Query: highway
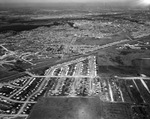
column 49, row 74
column 54, row 62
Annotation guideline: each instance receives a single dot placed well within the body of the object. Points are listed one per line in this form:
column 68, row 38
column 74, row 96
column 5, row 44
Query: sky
column 65, row 0
column 61, row 0
column 136, row 2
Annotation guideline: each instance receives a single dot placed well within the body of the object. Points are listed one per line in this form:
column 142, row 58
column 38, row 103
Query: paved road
column 136, row 78
column 52, row 63
column 24, row 102
column 47, row 77
column 27, row 101
column 30, row 79
column 133, row 78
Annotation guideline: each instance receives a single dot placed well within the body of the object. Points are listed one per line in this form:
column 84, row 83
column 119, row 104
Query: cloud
column 144, row 2
column 127, row 2
column 64, row 0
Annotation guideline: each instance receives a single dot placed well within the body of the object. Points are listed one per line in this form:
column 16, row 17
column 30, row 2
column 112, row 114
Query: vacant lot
column 67, row 108
column 79, row 108
column 100, row 41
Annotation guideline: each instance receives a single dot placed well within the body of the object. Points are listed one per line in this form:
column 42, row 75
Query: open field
column 72, row 108
column 100, row 41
